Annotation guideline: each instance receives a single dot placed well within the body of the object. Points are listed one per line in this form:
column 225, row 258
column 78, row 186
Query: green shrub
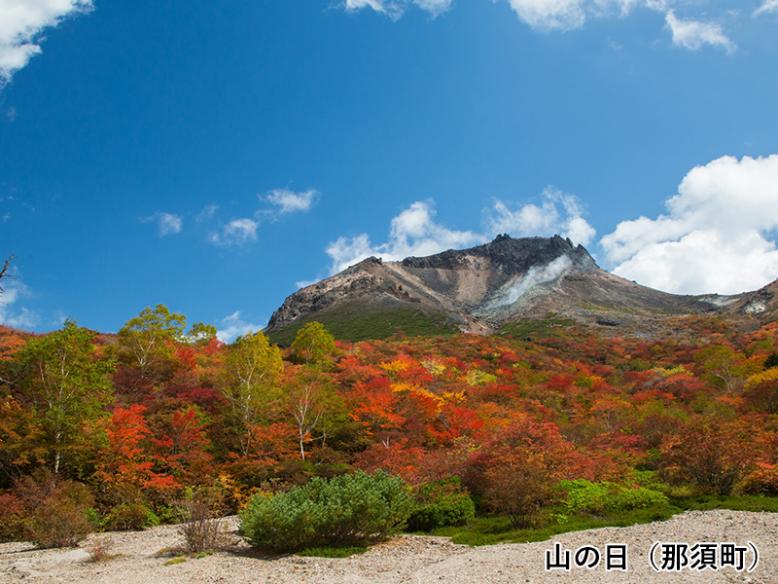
column 441, row 504
column 130, row 517
column 649, row 479
column 351, row 509
column 637, row 498
column 170, row 514
column 586, row 497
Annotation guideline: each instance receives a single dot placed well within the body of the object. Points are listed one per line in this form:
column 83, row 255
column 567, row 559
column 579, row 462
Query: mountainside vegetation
column 545, row 427
column 362, row 322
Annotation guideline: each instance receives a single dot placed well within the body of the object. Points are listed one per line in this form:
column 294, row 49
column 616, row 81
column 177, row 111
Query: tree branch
column 4, row 270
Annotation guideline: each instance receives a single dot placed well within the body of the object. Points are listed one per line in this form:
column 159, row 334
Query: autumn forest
column 120, row 428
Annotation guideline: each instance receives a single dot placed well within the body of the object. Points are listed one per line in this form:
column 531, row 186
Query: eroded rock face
column 481, row 287
column 761, row 304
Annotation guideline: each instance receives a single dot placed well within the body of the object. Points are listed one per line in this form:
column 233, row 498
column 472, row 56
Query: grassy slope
column 489, row 530
column 357, row 323
column 492, row 530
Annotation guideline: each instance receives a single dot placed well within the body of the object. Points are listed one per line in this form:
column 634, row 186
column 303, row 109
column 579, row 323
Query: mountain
column 483, row 288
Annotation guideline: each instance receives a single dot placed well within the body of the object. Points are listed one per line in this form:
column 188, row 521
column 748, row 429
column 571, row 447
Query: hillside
column 479, row 290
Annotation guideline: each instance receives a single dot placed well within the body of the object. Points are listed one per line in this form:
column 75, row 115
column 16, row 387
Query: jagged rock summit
column 481, row 288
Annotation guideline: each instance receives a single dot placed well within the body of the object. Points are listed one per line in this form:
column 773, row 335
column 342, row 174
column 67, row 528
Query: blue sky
column 214, row 156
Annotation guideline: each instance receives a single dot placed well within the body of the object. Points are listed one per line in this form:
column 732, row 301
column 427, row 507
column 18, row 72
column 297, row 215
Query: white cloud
column 233, row 326
column 717, row 235
column 694, row 34
column 287, row 201
column 244, row 230
column 377, row 5
column 545, row 15
column 167, row 223
column 11, row 314
column 206, row 213
column 304, row 283
column 557, row 213
column 550, row 14
column 236, row 232
column 21, row 26
column 565, row 15
column 396, row 8
column 434, row 7
column 768, row 7
column 413, row 232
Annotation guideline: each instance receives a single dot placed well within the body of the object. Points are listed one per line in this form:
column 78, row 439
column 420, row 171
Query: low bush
column 202, row 510
column 59, row 523
column 172, row 514
column 100, row 551
column 55, row 512
column 762, row 481
column 637, row 498
column 586, row 497
column 130, row 517
column 712, row 455
column 440, row 504
column 520, row 485
column 352, row 509
column 11, row 517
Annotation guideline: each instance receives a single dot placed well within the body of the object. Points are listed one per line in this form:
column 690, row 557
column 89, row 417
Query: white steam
column 511, row 292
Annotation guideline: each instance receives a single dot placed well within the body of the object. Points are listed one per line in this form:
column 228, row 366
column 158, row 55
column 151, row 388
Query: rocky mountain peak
column 512, row 255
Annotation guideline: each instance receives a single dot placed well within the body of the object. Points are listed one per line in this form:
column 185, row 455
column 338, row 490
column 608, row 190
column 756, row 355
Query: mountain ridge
column 481, row 288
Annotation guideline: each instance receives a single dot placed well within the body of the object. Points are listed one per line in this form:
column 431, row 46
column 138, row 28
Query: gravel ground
column 141, row 558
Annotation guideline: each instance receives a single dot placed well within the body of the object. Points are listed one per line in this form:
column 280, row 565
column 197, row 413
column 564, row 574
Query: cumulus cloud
column 718, row 234
column 414, row 232
column 11, row 313
column 22, row 23
column 286, row 201
column 236, row 232
column 233, row 326
column 167, row 223
column 396, row 8
column 694, row 34
column 769, row 6
column 558, row 212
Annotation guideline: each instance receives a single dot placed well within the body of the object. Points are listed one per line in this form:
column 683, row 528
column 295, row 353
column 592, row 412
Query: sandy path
column 407, row 559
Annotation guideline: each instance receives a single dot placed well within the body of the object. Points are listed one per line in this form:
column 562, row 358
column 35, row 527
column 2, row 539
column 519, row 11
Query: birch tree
column 61, row 377
column 251, row 384
column 148, row 338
